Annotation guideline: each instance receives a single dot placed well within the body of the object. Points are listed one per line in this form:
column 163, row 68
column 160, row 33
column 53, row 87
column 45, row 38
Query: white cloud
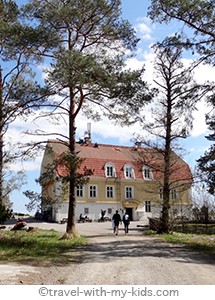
column 144, row 28
column 106, row 130
column 204, row 72
column 133, row 63
column 199, row 125
column 30, row 165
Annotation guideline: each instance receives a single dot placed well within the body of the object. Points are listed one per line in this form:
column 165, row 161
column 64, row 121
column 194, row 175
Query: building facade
column 123, row 178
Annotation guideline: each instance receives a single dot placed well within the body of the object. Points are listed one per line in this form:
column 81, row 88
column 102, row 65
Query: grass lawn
column 202, row 242
column 42, row 247
column 196, row 228
column 205, row 243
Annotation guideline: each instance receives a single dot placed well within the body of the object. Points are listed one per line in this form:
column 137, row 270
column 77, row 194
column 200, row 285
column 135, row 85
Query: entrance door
column 129, row 210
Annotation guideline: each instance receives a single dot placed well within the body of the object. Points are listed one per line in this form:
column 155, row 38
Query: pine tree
column 19, row 91
column 88, row 67
column 171, row 120
column 206, row 163
column 199, row 17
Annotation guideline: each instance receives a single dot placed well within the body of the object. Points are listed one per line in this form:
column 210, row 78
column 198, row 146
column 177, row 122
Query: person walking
column 126, row 221
column 116, row 220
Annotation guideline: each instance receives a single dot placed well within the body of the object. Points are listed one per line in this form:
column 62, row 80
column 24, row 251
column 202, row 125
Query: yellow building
column 124, row 178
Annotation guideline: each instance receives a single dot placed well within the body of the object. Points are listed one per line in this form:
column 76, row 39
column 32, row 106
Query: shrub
column 5, row 213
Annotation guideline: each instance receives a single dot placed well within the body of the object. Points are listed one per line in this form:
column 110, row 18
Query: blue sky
column 105, row 132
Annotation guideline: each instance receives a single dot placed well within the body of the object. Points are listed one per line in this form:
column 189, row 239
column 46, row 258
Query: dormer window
column 147, row 173
column 129, row 171
column 110, row 170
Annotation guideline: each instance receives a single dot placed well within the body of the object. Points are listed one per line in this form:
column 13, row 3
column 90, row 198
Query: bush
column 5, row 213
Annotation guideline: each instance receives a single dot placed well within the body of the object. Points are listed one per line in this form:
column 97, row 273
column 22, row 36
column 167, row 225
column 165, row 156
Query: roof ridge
column 56, row 141
column 109, row 145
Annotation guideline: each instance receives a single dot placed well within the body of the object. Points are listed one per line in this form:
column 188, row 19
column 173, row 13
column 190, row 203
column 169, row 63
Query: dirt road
column 122, row 259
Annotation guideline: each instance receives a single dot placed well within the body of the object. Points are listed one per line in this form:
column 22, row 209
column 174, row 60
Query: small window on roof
column 129, row 171
column 147, row 172
column 110, row 170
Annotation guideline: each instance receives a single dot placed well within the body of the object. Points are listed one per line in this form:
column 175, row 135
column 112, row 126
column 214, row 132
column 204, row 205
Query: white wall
column 94, row 211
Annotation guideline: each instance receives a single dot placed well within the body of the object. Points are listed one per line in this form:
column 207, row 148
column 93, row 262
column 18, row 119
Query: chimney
column 89, row 130
column 87, row 134
column 137, row 145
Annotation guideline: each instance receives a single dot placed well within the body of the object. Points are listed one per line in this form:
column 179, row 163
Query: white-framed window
column 93, row 191
column 110, row 191
column 58, row 187
column 148, row 206
column 129, row 192
column 129, row 171
column 173, row 194
column 110, row 170
column 147, row 172
column 80, row 191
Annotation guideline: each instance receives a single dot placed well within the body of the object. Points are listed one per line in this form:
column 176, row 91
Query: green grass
column 43, row 247
column 203, row 242
column 196, row 228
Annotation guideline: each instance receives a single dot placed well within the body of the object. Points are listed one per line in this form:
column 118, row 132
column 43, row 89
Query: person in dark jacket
column 116, row 220
column 126, row 221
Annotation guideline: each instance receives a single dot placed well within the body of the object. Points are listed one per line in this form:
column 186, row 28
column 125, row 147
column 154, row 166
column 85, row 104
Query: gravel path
column 123, row 259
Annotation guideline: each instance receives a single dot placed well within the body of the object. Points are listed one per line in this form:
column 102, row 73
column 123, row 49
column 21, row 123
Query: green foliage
column 98, row 21
column 43, row 247
column 71, row 164
column 206, row 163
column 173, row 106
column 197, row 15
column 34, row 200
column 59, row 170
column 14, row 182
column 197, row 34
column 88, row 61
column 88, row 67
column 5, row 213
column 178, row 93
column 19, row 92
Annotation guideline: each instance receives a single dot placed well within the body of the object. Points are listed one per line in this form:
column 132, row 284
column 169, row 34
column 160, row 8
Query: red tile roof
column 96, row 156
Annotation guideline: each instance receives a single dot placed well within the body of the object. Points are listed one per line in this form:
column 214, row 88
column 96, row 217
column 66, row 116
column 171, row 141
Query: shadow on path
column 106, row 247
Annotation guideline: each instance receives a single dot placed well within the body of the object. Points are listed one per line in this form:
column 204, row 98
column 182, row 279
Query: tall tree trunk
column 71, row 231
column 1, row 137
column 164, row 227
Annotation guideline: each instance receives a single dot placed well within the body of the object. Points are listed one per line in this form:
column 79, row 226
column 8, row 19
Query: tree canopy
column 197, row 15
column 20, row 93
column 89, row 56
column 206, row 163
column 171, row 119
column 198, row 35
column 87, row 70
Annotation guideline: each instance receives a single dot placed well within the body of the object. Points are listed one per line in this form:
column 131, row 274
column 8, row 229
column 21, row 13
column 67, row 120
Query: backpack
column 126, row 217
